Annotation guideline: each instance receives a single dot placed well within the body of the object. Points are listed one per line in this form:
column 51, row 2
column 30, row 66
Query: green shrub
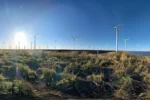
column 28, row 74
column 2, row 70
column 106, row 63
column 1, row 63
column 6, row 61
column 119, row 73
column 51, row 78
column 96, row 78
column 89, row 63
column 5, row 87
column 32, row 63
column 67, row 81
column 24, row 71
column 2, row 78
column 39, row 60
column 10, row 72
column 32, row 77
column 22, row 88
column 41, row 71
column 97, row 61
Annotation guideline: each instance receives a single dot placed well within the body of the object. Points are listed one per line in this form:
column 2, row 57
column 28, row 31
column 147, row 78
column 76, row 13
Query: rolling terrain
column 29, row 74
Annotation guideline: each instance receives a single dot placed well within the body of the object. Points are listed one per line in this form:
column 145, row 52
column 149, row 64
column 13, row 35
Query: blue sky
column 91, row 20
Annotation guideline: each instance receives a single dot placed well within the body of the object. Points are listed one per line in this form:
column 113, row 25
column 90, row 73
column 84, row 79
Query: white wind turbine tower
column 31, row 45
column 125, row 42
column 73, row 39
column 35, row 41
column 116, row 28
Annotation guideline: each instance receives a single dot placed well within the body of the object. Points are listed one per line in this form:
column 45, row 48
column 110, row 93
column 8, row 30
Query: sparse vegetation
column 110, row 75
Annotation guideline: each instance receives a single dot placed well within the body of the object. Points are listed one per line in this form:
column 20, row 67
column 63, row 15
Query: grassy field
column 44, row 75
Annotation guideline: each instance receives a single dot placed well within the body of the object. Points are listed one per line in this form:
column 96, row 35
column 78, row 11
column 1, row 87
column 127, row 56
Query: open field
column 45, row 75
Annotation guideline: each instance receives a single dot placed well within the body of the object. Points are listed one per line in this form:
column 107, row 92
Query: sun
column 22, row 38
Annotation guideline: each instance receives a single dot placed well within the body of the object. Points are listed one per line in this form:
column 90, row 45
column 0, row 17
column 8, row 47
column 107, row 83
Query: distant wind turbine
column 125, row 42
column 116, row 28
column 73, row 39
column 35, row 40
column 31, row 45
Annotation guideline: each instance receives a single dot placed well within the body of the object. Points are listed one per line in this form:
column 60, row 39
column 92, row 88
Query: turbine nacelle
column 118, row 26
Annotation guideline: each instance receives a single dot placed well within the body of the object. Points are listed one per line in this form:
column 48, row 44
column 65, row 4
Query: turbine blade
column 120, row 25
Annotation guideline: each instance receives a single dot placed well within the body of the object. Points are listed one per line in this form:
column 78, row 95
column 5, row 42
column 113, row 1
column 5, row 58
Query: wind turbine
column 31, row 45
column 35, row 41
column 73, row 39
column 125, row 42
column 116, row 28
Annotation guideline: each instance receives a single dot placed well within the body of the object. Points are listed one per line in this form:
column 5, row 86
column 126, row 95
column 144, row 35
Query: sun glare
column 20, row 37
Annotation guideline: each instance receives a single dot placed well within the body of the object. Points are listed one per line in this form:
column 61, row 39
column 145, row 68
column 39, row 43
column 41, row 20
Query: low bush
column 22, row 88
